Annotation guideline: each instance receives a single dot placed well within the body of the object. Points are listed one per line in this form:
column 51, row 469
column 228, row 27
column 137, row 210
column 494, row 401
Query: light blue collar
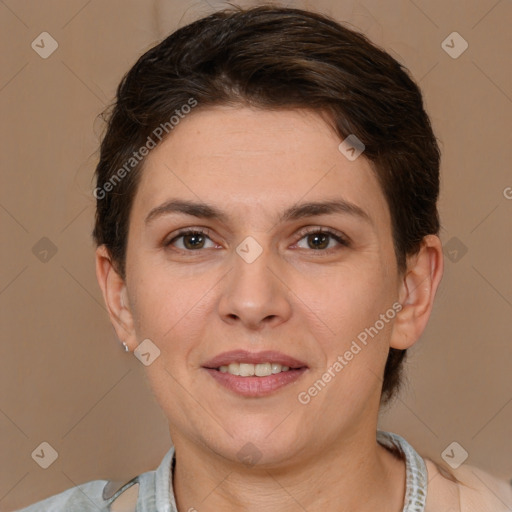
column 415, row 469
column 156, row 495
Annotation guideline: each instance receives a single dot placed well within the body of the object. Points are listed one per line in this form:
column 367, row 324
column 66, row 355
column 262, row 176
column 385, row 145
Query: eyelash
column 338, row 237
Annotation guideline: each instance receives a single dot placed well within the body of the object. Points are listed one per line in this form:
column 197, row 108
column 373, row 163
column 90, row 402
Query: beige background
column 64, row 377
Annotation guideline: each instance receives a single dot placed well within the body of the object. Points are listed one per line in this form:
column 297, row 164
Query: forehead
column 255, row 161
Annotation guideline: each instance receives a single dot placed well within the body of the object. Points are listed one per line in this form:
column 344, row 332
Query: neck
column 356, row 474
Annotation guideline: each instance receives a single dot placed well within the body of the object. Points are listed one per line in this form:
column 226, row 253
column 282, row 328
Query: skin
column 306, row 302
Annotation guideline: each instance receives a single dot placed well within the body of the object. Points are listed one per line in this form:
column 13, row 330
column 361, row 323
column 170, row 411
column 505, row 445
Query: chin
column 264, row 444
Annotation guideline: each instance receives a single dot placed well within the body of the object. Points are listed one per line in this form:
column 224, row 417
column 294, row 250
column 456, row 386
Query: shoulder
column 93, row 496
column 112, row 496
column 81, row 498
column 466, row 489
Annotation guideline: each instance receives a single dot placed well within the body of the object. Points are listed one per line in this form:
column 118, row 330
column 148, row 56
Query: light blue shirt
column 155, row 494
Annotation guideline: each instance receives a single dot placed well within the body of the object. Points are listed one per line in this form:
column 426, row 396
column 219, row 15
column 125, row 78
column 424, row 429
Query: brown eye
column 191, row 240
column 319, row 240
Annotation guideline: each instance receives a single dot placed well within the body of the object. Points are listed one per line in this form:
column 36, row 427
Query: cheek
column 160, row 298
column 350, row 299
column 356, row 340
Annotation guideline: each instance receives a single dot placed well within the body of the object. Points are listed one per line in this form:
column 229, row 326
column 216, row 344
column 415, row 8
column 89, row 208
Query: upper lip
column 243, row 356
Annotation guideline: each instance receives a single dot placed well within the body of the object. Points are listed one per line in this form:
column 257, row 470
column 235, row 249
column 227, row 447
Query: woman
column 267, row 247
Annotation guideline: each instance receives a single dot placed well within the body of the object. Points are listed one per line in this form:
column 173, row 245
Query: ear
column 417, row 291
column 115, row 296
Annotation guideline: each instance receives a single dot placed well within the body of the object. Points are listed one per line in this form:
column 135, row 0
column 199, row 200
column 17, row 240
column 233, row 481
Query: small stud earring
column 126, row 348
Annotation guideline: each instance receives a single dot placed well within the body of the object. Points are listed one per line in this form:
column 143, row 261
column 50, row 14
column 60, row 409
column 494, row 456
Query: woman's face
column 260, row 278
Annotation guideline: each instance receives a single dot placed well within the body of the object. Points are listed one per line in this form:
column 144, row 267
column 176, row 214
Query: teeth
column 276, row 368
column 250, row 370
column 234, row 369
column 262, row 370
column 246, row 370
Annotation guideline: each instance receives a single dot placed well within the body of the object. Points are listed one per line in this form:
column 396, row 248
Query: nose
column 255, row 293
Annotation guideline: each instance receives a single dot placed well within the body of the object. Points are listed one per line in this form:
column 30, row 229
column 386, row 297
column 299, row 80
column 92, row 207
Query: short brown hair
column 278, row 58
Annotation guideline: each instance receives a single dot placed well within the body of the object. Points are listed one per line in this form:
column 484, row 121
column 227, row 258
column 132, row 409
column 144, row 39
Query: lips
column 243, row 356
column 255, row 386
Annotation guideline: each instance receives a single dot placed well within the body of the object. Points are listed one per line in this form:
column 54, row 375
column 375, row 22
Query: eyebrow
column 295, row 212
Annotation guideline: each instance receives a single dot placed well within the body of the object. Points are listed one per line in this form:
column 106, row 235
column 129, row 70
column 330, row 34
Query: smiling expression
column 250, row 231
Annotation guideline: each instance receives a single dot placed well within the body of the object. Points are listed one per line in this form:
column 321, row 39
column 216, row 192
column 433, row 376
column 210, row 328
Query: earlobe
column 420, row 282
column 115, row 296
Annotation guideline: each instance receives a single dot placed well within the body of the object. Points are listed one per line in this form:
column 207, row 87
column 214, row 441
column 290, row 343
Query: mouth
column 255, row 374
column 251, row 370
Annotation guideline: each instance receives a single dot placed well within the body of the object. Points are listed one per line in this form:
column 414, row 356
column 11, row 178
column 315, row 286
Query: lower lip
column 256, row 386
